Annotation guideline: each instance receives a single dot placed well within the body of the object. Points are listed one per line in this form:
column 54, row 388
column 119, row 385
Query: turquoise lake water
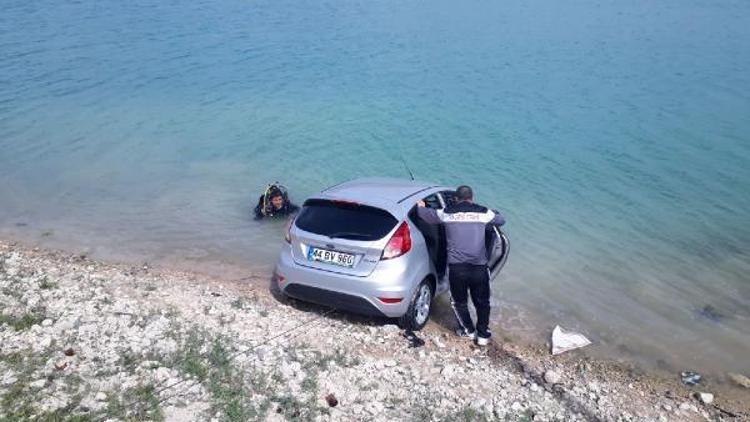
column 615, row 136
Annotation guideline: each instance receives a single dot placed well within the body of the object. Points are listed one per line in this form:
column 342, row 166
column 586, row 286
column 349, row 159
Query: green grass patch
column 209, row 360
column 229, row 392
column 238, row 303
column 13, row 359
column 139, row 403
column 468, row 414
column 45, row 284
column 189, row 359
column 24, row 322
column 18, row 400
column 15, row 403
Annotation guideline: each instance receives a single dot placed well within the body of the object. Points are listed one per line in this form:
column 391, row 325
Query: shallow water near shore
column 615, row 138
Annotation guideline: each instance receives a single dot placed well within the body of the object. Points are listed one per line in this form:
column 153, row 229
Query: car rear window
column 345, row 220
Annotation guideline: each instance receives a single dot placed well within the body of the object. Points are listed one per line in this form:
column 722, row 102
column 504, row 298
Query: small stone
column 332, row 400
column 447, row 371
column 45, row 342
column 61, row 364
column 38, row 384
column 69, row 351
column 100, row 396
column 594, row 386
column 685, row 406
column 263, row 352
column 390, row 363
column 739, row 379
column 47, row 322
column 552, row 377
column 705, row 398
column 162, row 374
column 516, row 406
column 534, row 387
column 667, row 407
column 391, row 328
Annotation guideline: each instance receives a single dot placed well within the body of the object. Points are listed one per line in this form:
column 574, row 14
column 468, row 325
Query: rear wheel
column 418, row 313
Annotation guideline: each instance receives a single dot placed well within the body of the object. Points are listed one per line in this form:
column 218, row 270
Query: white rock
column 100, row 396
column 38, row 384
column 391, row 328
column 263, row 352
column 740, row 379
column 162, row 374
column 45, row 342
column 552, row 377
column 47, row 322
column 688, row 407
column 705, row 398
column 594, row 386
column 9, row 379
column 447, row 371
column 516, row 406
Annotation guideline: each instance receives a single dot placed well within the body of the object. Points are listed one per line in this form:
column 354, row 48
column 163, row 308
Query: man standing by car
column 465, row 228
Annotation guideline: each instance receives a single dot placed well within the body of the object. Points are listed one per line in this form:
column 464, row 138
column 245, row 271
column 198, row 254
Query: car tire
column 420, row 306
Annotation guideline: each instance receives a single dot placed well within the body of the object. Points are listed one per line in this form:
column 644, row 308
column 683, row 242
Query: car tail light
column 399, row 244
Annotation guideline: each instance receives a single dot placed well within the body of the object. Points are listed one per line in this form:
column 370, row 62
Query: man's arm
column 259, row 209
column 429, row 215
column 498, row 219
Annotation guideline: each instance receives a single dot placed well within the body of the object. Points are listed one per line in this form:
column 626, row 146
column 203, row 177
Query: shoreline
column 118, row 305
column 520, row 319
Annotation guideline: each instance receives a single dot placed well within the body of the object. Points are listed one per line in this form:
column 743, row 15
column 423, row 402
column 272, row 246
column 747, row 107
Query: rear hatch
column 340, row 236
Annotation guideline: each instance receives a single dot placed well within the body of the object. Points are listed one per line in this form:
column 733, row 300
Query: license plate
column 330, row 257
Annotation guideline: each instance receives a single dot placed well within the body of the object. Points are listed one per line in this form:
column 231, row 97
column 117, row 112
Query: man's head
column 277, row 200
column 464, row 193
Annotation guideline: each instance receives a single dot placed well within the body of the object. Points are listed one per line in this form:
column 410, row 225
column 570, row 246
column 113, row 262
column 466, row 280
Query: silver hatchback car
column 360, row 247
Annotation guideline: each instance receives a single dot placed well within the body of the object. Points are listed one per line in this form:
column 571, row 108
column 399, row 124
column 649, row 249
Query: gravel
column 113, row 342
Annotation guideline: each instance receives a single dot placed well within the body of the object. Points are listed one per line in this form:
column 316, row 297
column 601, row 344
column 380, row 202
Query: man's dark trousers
column 474, row 280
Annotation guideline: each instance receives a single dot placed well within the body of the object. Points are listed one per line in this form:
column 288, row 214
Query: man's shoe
column 483, row 341
column 463, row 333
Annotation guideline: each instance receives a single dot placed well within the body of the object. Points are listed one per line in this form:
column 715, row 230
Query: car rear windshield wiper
column 350, row 235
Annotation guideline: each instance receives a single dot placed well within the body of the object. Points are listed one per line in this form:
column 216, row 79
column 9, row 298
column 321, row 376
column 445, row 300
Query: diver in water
column 274, row 203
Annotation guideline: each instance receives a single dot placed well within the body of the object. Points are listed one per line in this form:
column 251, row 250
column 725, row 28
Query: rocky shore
column 88, row 341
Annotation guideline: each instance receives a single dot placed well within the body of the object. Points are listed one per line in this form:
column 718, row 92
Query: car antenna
column 407, row 167
column 401, row 156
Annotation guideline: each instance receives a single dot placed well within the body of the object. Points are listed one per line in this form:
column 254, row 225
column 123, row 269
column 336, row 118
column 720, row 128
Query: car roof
column 396, row 196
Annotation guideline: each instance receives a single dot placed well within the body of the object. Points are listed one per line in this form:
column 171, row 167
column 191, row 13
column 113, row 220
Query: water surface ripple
column 614, row 135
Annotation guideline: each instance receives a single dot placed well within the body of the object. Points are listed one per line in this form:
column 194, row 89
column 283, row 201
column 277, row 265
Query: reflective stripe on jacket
column 465, row 228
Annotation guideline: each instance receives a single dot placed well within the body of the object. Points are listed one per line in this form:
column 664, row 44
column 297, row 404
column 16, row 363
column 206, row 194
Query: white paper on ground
column 563, row 341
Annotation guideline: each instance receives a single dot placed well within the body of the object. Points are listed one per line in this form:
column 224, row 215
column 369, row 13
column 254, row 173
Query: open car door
column 498, row 249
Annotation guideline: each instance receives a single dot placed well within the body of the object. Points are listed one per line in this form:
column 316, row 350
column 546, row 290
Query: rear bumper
column 341, row 301
column 361, row 295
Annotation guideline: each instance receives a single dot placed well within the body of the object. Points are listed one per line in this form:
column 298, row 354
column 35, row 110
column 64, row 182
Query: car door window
column 433, row 201
column 449, row 197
